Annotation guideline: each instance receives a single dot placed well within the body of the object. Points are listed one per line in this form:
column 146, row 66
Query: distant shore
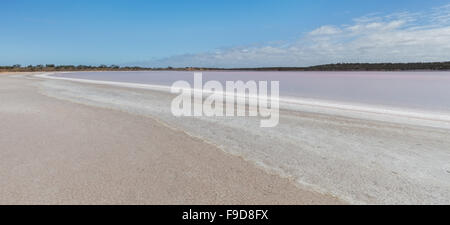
column 431, row 66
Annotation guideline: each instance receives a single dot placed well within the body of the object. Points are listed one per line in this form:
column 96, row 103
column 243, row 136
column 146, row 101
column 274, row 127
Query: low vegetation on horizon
column 327, row 67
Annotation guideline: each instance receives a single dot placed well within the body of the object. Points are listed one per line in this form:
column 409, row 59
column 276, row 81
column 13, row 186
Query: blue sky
column 226, row 33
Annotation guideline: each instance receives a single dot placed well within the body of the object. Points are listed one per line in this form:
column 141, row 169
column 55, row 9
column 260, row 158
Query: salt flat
column 60, row 152
column 368, row 159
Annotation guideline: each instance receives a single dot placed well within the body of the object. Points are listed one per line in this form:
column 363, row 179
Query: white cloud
column 400, row 37
column 325, row 30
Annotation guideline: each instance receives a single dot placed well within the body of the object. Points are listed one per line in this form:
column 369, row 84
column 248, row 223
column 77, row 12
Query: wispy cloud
column 400, row 37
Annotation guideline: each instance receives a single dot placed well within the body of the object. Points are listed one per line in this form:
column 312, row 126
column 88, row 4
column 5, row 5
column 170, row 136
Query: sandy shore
column 59, row 152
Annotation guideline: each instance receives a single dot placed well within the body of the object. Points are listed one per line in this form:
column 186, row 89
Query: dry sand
column 58, row 152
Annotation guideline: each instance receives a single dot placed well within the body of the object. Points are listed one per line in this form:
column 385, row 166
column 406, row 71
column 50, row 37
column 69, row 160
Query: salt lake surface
column 375, row 157
column 415, row 90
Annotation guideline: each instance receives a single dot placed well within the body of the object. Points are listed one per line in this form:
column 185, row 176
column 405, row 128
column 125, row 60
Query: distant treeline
column 361, row 67
column 328, row 67
column 52, row 67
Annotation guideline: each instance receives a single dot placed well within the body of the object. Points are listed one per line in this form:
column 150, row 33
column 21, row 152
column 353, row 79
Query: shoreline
column 360, row 160
column 60, row 152
column 438, row 119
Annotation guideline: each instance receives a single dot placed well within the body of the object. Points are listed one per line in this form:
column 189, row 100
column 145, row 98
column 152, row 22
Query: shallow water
column 420, row 90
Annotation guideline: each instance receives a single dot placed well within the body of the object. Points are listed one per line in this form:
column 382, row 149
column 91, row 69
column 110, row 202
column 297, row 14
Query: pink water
column 422, row 90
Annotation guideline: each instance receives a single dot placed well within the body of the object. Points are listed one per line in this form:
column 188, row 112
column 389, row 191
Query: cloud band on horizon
column 400, row 37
